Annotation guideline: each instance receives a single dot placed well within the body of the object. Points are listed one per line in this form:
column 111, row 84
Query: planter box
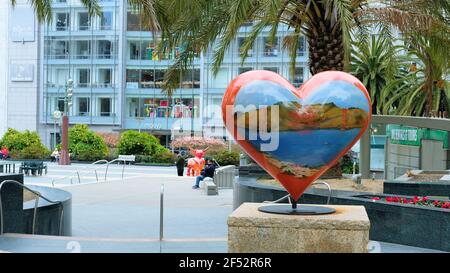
column 405, row 185
column 417, row 188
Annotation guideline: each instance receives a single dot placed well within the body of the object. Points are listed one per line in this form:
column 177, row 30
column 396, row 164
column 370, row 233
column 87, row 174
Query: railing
column 315, row 183
column 78, row 173
column 112, row 161
column 39, row 195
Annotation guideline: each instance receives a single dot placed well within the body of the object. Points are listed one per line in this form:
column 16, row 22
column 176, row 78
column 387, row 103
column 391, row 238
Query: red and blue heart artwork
column 296, row 134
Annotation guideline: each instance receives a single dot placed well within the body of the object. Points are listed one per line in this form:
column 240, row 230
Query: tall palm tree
column 327, row 25
column 377, row 62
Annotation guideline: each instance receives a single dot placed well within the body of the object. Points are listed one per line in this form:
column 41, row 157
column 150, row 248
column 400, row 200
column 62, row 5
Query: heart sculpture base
column 296, row 210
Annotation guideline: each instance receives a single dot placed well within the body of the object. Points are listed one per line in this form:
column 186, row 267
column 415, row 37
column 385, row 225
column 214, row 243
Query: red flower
column 424, row 199
column 446, row 205
column 376, row 198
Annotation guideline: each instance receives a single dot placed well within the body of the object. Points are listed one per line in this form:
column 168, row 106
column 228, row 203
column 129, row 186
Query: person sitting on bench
column 207, row 172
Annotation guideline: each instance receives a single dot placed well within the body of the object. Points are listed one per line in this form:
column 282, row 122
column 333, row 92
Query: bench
column 209, row 186
column 127, row 158
column 33, row 167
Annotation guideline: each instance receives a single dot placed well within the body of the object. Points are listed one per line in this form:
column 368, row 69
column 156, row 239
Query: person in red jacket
column 4, row 153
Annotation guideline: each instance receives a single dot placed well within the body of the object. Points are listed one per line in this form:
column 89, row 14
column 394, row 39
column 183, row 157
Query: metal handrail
column 315, row 183
column 86, row 170
column 112, row 161
column 329, row 189
column 39, row 195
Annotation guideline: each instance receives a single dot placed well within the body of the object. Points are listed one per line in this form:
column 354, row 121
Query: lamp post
column 64, row 159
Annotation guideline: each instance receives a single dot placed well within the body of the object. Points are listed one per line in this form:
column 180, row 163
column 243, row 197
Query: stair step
column 23, row 243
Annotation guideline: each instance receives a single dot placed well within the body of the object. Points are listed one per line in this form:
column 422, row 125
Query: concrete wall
column 4, row 11
column 19, row 71
column 400, row 158
column 433, row 155
column 23, row 65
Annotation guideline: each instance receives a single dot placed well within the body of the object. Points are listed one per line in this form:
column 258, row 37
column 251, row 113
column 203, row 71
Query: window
column 297, row 78
column 62, row 21
column 271, row 49
column 273, row 69
column 147, row 79
column 241, row 43
column 60, row 104
column 83, row 49
column 133, row 107
column 105, row 77
column 84, row 77
column 104, row 49
column 301, row 48
column 132, row 78
column 133, row 21
column 191, row 79
column 83, row 107
column 60, row 50
column 106, row 20
column 105, row 107
column 84, row 21
column 134, row 49
column 244, row 69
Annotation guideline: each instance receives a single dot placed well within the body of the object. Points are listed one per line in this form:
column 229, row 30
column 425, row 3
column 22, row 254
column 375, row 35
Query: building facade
column 118, row 73
column 19, row 67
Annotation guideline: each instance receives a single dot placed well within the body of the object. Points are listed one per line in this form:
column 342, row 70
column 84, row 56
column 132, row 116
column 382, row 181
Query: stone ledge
column 252, row 231
column 345, row 218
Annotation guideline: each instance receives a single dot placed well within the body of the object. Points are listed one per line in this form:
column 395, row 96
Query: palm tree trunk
column 326, row 48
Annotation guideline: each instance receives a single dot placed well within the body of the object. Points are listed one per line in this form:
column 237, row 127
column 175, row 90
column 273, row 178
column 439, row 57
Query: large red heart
column 317, row 124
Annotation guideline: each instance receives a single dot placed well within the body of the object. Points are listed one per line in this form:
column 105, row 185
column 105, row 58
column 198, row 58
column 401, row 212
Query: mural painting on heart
column 296, row 135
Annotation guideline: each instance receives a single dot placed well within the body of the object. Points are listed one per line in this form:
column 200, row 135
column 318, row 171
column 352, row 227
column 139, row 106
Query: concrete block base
column 252, row 231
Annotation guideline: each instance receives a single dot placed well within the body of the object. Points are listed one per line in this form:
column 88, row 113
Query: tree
column 377, row 61
column 327, row 25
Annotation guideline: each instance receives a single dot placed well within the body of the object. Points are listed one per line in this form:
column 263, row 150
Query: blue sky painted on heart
column 264, row 93
column 342, row 93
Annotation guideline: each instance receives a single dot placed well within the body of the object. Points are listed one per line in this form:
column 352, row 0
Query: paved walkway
column 123, row 215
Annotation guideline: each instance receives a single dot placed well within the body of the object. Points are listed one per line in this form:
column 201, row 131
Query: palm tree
column 425, row 90
column 327, row 25
column 377, row 61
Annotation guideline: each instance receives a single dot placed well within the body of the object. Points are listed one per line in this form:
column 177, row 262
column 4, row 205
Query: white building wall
column 4, row 8
column 19, row 71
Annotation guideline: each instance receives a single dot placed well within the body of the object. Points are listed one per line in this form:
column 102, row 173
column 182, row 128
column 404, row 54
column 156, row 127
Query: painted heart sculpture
column 296, row 134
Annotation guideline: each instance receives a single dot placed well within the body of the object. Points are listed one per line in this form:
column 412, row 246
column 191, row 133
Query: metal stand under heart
column 296, row 135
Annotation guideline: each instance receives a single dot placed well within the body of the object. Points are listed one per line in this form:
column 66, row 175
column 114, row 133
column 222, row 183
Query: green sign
column 412, row 136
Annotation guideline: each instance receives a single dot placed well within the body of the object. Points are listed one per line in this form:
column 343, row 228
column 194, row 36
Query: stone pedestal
column 346, row 231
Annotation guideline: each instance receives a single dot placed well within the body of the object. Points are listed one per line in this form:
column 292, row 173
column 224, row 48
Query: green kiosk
column 410, row 148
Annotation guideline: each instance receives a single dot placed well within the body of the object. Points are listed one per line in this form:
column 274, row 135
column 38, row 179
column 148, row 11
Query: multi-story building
column 118, row 73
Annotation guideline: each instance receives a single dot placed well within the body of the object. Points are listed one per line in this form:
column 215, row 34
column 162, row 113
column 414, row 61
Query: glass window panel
column 84, row 21
column 106, row 20
column 271, row 49
column 105, row 107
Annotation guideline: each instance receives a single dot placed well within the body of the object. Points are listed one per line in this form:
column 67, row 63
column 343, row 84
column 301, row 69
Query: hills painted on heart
column 294, row 117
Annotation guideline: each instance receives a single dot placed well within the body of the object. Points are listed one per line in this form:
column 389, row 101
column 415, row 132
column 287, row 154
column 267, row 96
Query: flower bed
column 416, row 200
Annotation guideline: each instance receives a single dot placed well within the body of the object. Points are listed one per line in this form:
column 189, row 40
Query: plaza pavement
column 123, row 215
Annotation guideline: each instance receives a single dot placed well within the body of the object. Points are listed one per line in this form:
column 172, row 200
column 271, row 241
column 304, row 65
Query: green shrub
column 85, row 145
column 25, row 145
column 346, row 164
column 35, row 151
column 135, row 143
column 225, row 157
column 164, row 157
